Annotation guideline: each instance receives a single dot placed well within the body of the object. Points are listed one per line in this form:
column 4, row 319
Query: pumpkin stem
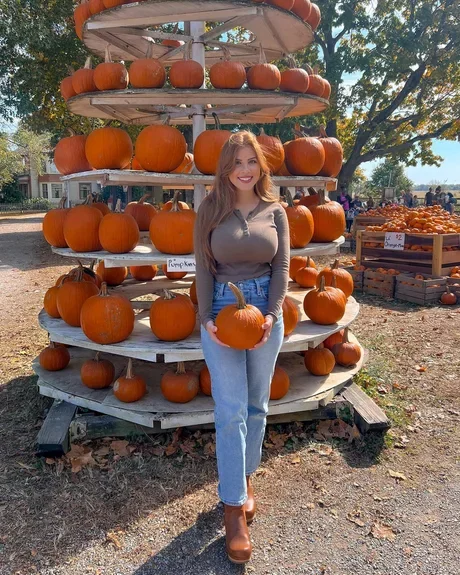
column 107, row 58
column 88, row 64
column 52, row 345
column 104, row 291
column 118, row 206
column 335, row 265
column 175, row 202
column 216, row 121
column 96, row 357
column 62, row 202
column 262, row 58
column 241, row 302
column 309, row 69
column 345, row 336
column 168, row 294
column 312, row 192
column 320, row 346
column 322, row 282
column 149, row 52
column 322, row 198
column 129, row 370
column 333, row 281
column 308, row 262
column 180, row 368
column 143, row 198
column 288, row 198
column 322, row 132
column 79, row 274
column 291, row 61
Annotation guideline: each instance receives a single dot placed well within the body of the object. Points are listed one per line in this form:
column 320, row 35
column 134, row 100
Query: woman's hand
column 267, row 326
column 212, row 330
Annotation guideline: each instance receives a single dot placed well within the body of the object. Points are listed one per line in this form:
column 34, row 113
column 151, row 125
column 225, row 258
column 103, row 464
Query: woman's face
column 246, row 172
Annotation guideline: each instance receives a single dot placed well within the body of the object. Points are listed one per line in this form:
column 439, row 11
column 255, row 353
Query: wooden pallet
column 421, row 291
column 437, row 255
column 362, row 221
column 376, row 283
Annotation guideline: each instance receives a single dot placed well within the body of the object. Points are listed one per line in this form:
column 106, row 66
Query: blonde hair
column 220, row 203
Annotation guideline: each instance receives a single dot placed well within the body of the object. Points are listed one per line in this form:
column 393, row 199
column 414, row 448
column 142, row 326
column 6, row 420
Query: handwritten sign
column 181, row 264
column 394, row 241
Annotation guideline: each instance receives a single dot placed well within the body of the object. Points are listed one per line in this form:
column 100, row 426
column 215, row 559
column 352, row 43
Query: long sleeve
column 279, row 265
column 204, row 283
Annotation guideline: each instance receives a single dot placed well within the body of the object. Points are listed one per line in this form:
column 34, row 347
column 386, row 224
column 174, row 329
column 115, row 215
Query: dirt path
column 381, row 506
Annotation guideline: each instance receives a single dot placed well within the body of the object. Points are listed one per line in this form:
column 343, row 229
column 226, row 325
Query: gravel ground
column 329, row 508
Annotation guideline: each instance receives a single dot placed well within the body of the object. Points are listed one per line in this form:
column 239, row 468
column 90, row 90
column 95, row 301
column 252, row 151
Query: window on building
column 24, row 189
column 56, row 190
column 45, row 191
column 84, row 190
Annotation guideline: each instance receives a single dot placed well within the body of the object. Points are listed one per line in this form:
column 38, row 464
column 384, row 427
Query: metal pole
column 198, row 121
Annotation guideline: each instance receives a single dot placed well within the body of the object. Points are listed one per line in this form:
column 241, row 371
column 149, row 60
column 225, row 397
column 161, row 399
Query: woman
column 242, row 236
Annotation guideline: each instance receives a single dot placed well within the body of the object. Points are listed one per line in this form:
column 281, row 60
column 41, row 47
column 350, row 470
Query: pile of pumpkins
column 187, row 74
column 163, row 149
column 421, row 220
column 307, row 11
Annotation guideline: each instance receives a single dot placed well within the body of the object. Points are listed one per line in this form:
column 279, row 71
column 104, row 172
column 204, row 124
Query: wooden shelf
column 137, row 177
column 307, row 392
column 144, row 255
column 142, row 344
column 144, row 107
column 130, row 29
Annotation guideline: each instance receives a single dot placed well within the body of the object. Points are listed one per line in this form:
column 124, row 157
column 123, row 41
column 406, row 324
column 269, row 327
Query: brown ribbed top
column 246, row 249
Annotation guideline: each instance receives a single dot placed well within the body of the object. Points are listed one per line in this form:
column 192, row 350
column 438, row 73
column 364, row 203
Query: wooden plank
column 437, row 255
column 95, row 426
column 225, row 27
column 133, row 51
column 53, row 437
column 359, row 245
column 367, row 414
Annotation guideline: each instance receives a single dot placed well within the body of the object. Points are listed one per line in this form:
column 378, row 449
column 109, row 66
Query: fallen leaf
column 209, row 448
column 159, row 451
column 105, row 450
column 112, row 538
column 171, row 449
column 420, row 368
column 79, row 456
column 382, row 531
column 295, row 459
column 354, row 517
column 50, row 461
column 120, row 447
column 397, row 475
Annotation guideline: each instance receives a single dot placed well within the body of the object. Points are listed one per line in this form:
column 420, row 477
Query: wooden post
column 437, row 255
column 197, row 29
column 359, row 245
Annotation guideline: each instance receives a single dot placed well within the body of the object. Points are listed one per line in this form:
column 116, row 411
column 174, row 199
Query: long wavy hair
column 220, row 203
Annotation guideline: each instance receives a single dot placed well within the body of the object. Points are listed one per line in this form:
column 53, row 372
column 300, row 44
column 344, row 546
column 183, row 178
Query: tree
column 390, row 173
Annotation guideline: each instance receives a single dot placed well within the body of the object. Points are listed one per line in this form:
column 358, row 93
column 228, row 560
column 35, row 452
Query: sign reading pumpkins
column 394, row 241
column 181, row 264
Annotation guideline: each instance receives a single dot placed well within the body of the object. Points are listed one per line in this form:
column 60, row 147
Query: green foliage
column 390, row 173
column 10, row 194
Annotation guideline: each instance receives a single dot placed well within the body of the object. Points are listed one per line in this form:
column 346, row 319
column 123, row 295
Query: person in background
column 437, row 196
column 343, row 201
column 357, row 203
column 449, row 203
column 408, row 200
column 429, row 197
column 414, row 201
column 370, row 203
column 299, row 193
column 349, row 217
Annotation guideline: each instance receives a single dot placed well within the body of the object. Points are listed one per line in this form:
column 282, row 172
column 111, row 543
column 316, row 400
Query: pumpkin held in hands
column 239, row 325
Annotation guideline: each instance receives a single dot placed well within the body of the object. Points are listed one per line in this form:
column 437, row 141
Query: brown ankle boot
column 250, row 504
column 238, row 544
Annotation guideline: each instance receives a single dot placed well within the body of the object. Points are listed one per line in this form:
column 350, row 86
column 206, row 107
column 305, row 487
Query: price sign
column 394, row 241
column 181, row 264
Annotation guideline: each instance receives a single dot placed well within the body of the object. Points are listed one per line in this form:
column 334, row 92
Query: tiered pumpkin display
column 172, row 316
column 107, row 318
column 83, row 79
column 160, row 148
column 109, row 148
column 50, row 302
column 172, row 275
column 329, row 220
column 72, row 295
column 263, row 76
column 205, row 381
column 333, row 155
column 227, row 75
column 81, row 227
column 346, row 352
column 319, row 360
column 171, row 231
column 129, row 388
column 208, row 146
column 53, row 225
column 305, row 155
column 186, row 73
column 147, row 72
column 97, row 373
column 343, row 278
column 118, row 232
column 294, row 79
column 239, row 325
column 111, row 276
column 70, row 156
column 324, row 305
column 280, row 383
column 181, row 385
column 143, row 273
column 273, row 150
column 290, row 315
column 299, row 262
column 142, row 212
column 54, row 357
column 110, row 75
column 307, row 276
column 301, row 226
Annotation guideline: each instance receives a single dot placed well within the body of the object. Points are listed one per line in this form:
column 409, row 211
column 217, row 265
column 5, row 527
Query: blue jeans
column 240, row 381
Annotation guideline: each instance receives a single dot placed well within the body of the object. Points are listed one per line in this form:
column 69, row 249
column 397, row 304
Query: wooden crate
column 451, row 282
column 422, row 291
column 362, row 221
column 358, row 278
column 376, row 283
column 435, row 255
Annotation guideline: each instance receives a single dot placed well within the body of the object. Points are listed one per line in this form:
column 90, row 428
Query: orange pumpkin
column 294, row 79
column 172, row 316
column 280, row 383
column 66, row 88
column 344, row 279
column 160, row 148
column 290, row 315
column 319, row 360
column 324, row 305
column 72, row 295
column 317, row 84
column 111, row 276
column 88, row 275
column 130, row 388
column 304, row 156
column 70, row 156
column 180, row 386
column 53, row 225
column 284, row 4
column 336, row 337
column 102, row 207
column 333, row 155
column 147, row 72
column 186, row 165
column 107, row 318
column 143, row 273
column 205, row 381
column 109, row 148
column 329, row 220
column 273, row 150
column 298, row 262
column 263, row 76
column 80, row 15
column 167, row 206
column 96, row 6
column 172, row 275
column 448, row 298
column 172, row 232
column 118, row 233
column 346, row 353
column 302, row 9
column 300, row 223
column 186, row 73
column 227, row 75
column 208, row 146
column 193, row 295
column 306, row 277
column 83, row 79
column 97, row 373
column 54, row 357
column 81, row 228
column 110, row 75
column 142, row 212
column 50, row 302
column 314, row 18
column 239, row 325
